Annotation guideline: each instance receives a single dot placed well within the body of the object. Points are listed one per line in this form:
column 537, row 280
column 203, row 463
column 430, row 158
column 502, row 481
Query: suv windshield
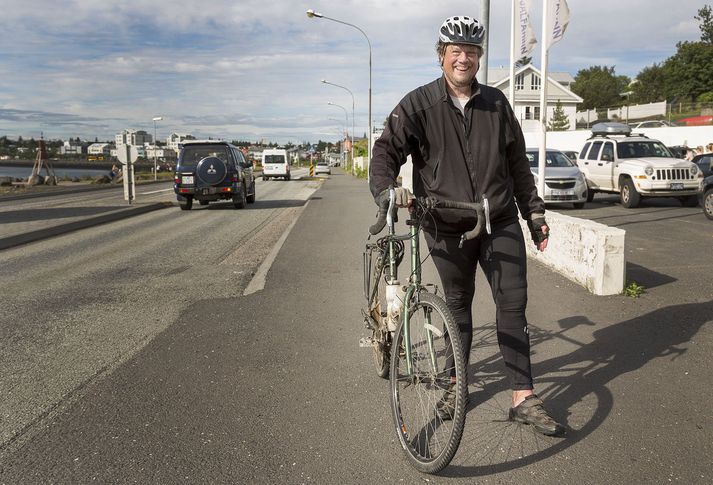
column 638, row 149
column 192, row 154
column 554, row 159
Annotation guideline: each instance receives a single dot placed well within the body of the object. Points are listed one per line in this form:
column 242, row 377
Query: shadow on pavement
column 647, row 277
column 574, row 386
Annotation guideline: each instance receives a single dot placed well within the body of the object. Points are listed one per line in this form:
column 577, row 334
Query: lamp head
column 158, row 118
column 311, row 13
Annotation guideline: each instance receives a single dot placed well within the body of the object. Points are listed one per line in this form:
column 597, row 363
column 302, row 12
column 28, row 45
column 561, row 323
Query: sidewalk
column 598, row 362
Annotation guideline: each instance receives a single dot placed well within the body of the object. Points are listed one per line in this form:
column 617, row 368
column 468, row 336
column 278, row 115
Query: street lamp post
column 347, row 89
column 342, row 129
column 311, row 13
column 155, row 174
column 346, row 117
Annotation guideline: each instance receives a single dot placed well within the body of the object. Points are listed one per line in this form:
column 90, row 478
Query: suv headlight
column 649, row 171
column 694, row 169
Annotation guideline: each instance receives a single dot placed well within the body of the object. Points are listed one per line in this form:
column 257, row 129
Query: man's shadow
column 576, row 380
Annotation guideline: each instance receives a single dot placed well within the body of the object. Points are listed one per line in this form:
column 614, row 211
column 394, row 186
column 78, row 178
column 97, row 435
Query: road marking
column 258, row 282
column 156, row 191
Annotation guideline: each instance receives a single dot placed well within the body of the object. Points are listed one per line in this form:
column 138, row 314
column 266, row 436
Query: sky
column 251, row 69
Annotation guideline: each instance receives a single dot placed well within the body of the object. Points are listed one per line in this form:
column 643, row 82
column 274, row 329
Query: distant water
column 24, row 172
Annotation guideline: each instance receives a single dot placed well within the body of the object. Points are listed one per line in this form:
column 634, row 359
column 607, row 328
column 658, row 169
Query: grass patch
column 633, row 290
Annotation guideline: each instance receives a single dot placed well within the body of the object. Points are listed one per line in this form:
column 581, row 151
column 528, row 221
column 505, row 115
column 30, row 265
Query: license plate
column 676, row 186
column 187, row 180
column 562, row 192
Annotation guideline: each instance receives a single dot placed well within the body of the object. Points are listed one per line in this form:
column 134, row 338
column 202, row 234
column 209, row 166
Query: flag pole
column 511, row 88
column 543, row 102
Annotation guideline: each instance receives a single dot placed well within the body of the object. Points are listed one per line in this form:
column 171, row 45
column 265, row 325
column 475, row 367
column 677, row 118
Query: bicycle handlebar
column 432, row 203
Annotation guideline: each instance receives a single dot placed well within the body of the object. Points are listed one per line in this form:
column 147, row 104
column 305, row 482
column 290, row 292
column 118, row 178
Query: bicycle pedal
column 366, row 342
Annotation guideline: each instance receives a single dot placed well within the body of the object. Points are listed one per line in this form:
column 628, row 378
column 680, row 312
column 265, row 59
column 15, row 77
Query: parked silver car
column 564, row 182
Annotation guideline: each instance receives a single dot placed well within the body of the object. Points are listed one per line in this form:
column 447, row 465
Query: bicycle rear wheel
column 430, row 441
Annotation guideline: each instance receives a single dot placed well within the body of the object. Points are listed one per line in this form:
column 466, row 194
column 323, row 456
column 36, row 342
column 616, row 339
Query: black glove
column 535, row 226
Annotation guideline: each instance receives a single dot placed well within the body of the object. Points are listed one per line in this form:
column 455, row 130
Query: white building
column 71, row 147
column 528, row 81
column 99, row 149
column 159, row 153
column 175, row 139
column 133, row 137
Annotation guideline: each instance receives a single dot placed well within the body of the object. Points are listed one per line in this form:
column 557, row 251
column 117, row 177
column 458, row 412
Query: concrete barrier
column 586, row 252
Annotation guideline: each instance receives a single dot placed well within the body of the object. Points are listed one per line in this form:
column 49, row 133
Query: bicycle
column 414, row 338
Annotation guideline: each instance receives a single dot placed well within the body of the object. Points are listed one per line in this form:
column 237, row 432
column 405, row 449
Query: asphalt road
column 273, row 388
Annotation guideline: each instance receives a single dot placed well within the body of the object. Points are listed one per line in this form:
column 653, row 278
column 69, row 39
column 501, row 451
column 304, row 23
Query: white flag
column 527, row 34
column 557, row 20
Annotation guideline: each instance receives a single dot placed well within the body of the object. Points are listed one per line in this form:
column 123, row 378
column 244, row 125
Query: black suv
column 213, row 170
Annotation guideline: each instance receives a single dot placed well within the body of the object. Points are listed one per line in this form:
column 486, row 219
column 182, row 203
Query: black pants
column 503, row 259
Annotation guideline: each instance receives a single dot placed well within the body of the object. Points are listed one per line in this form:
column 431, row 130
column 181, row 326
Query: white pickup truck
column 615, row 160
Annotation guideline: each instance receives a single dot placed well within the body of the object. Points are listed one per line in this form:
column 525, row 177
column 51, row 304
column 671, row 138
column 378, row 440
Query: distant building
column 72, row 147
column 99, row 149
column 133, row 137
column 528, row 81
column 160, row 153
column 175, row 139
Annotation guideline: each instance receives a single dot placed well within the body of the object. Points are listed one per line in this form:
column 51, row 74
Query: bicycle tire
column 381, row 337
column 434, row 442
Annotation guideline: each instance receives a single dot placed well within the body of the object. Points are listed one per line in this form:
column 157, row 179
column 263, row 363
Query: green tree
column 559, row 121
column 687, row 73
column 705, row 16
column 599, row 86
column 650, row 86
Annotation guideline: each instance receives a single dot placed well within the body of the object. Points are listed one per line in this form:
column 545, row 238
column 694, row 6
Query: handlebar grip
column 479, row 225
column 380, row 222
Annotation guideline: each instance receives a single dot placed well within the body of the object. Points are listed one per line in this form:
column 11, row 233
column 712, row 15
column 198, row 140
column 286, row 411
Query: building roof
column 555, row 88
column 497, row 74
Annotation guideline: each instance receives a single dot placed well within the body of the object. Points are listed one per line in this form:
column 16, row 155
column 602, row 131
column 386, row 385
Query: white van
column 275, row 164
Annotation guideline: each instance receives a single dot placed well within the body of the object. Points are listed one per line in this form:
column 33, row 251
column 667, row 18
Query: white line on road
column 258, row 282
column 156, row 191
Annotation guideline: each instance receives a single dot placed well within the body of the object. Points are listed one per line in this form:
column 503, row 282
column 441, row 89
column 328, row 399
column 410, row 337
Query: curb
column 40, row 234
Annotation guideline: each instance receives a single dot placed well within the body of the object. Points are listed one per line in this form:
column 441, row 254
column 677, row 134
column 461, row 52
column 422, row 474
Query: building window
column 532, row 112
column 535, row 82
column 519, row 82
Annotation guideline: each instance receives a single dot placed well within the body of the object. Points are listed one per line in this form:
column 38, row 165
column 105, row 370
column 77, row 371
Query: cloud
column 251, row 69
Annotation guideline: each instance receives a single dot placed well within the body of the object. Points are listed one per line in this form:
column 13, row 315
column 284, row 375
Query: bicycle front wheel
column 429, row 432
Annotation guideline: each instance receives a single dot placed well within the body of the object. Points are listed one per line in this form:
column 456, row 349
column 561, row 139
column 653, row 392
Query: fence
column 637, row 112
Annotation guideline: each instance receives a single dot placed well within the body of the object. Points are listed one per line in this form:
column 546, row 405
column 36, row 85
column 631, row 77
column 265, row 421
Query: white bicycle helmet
column 462, row 30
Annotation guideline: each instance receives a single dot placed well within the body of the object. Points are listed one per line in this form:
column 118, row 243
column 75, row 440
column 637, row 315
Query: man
column 466, row 145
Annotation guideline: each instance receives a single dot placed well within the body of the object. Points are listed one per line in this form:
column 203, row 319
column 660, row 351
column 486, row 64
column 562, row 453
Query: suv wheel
column 708, row 204
column 630, row 198
column 239, row 200
column 187, row 203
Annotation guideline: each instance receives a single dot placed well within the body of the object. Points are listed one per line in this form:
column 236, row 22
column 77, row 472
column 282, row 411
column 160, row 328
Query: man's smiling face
column 460, row 64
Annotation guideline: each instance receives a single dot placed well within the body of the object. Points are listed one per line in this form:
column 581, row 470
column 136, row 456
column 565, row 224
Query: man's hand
column 404, row 197
column 539, row 230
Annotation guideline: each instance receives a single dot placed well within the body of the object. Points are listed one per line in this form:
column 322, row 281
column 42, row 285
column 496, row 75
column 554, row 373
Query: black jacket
column 456, row 157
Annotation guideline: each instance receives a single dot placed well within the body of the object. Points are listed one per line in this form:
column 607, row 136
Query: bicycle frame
column 414, row 282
